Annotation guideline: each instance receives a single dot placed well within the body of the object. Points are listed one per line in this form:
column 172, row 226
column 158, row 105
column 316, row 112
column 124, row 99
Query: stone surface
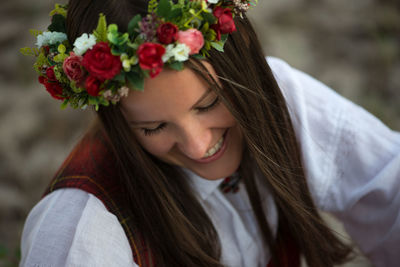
column 353, row 46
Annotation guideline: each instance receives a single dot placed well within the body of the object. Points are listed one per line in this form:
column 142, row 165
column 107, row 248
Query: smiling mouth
column 215, row 148
column 217, row 151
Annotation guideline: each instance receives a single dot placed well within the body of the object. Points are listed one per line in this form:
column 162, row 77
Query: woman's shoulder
column 71, row 227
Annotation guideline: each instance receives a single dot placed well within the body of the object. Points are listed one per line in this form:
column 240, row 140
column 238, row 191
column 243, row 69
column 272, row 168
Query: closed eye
column 148, row 132
column 160, row 127
column 210, row 106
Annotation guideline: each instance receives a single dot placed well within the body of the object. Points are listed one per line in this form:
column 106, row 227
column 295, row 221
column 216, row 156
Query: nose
column 194, row 140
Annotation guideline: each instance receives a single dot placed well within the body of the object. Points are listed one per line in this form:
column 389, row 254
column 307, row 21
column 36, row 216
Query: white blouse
column 352, row 163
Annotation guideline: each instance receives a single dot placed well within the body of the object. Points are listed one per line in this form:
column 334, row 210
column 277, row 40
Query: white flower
column 47, row 38
column 180, row 52
column 83, row 43
column 127, row 62
column 167, row 55
column 123, row 91
column 213, row 1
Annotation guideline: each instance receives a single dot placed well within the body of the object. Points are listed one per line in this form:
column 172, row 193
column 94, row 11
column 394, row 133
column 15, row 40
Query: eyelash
column 149, row 132
column 209, row 107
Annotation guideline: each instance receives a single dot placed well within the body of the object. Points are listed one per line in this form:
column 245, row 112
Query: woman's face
column 180, row 120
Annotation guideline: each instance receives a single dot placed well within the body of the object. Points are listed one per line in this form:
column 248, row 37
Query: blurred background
column 353, row 46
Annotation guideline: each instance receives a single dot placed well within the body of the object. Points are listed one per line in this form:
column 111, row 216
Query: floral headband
column 99, row 68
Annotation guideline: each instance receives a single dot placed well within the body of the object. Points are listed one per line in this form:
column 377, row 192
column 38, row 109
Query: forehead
column 165, row 95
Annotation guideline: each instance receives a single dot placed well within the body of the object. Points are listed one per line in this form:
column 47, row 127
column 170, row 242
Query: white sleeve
column 352, row 162
column 70, row 227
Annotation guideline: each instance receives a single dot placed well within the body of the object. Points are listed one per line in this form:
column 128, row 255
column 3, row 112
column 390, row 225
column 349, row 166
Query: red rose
column 42, row 79
column 92, row 85
column 167, row 33
column 100, row 63
column 46, row 49
column 54, row 88
column 150, row 57
column 72, row 67
column 225, row 22
column 50, row 74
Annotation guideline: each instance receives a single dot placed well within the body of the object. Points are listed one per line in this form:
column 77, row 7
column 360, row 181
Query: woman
column 151, row 171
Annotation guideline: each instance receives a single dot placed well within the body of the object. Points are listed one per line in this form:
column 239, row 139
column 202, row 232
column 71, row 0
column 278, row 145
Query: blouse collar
column 202, row 186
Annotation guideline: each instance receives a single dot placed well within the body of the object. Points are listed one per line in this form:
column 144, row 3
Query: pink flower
column 193, row 39
column 73, row 68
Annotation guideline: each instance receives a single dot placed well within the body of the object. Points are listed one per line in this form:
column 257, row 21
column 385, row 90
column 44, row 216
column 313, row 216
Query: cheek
column 155, row 145
column 225, row 116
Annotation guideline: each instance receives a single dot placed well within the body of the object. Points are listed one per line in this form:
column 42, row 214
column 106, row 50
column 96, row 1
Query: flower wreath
column 99, row 68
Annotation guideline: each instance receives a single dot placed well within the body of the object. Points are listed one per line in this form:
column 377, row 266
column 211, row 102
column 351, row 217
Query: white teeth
column 215, row 148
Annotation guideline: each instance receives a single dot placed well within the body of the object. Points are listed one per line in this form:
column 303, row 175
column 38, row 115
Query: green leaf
column 60, row 58
column 120, row 77
column 83, row 101
column 115, row 37
column 175, row 13
column 117, row 50
column 34, row 32
column 60, row 75
column 122, row 39
column 76, row 89
column 104, row 102
column 64, row 104
column 210, row 18
column 224, row 37
column 151, row 7
column 101, row 31
column 27, row 51
column 62, row 49
column 219, row 46
column 135, row 80
column 133, row 45
column 178, row 65
column 40, row 61
column 59, row 9
column 57, row 24
column 113, row 28
column 93, row 100
column 164, row 8
column 133, row 25
column 198, row 56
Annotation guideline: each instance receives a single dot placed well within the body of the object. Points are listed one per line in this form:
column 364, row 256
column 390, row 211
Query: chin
column 217, row 174
column 221, row 168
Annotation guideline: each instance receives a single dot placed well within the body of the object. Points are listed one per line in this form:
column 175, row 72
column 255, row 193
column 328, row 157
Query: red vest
column 91, row 167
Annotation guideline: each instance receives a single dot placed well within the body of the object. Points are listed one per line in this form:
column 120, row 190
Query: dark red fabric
column 288, row 254
column 91, row 167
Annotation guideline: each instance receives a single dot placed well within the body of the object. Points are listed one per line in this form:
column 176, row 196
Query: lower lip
column 218, row 154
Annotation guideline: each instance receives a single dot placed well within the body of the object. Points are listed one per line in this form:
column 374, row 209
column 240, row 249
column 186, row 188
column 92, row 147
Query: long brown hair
column 164, row 208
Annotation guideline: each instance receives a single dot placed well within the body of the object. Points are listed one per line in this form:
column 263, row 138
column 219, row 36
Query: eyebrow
column 135, row 123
